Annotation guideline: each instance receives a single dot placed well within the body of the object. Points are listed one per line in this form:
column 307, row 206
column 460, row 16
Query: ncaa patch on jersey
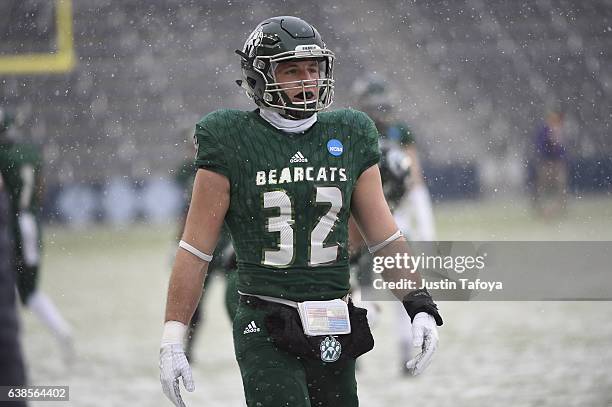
column 335, row 147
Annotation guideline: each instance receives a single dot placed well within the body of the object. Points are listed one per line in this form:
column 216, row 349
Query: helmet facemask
column 314, row 94
column 378, row 108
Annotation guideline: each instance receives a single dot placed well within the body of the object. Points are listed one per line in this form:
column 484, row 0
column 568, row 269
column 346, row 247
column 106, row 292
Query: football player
column 285, row 178
column 403, row 183
column 20, row 166
column 401, row 171
column 12, row 371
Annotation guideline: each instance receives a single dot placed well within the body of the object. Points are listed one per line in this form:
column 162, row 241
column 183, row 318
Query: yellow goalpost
column 61, row 60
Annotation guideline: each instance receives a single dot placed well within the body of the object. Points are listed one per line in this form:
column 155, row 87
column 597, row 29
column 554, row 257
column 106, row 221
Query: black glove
column 421, row 301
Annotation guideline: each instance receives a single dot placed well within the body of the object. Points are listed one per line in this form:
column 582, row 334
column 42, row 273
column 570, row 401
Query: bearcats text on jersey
column 300, row 174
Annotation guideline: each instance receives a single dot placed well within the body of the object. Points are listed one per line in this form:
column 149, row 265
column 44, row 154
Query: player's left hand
column 425, row 336
column 172, row 365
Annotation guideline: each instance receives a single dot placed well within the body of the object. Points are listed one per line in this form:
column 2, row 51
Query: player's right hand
column 172, row 365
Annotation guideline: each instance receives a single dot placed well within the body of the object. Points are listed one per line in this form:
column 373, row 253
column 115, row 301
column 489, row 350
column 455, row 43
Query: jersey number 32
column 284, row 255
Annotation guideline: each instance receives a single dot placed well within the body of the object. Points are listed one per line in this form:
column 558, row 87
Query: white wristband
column 194, row 251
column 174, row 332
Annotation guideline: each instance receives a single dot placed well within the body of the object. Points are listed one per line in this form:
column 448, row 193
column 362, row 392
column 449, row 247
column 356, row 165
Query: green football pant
column 231, row 294
column 27, row 281
column 272, row 377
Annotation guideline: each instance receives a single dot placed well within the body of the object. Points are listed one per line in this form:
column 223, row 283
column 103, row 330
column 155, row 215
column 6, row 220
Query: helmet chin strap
column 287, row 125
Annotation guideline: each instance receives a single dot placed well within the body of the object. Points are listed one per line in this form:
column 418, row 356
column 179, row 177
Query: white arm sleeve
column 420, row 201
column 414, row 214
column 29, row 238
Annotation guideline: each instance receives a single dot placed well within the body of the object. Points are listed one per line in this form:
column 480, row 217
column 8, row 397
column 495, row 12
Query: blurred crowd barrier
column 122, row 200
column 117, row 202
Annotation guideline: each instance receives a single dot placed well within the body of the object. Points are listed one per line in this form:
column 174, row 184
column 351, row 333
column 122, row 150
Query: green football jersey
column 20, row 166
column 290, row 197
column 394, row 138
column 397, row 132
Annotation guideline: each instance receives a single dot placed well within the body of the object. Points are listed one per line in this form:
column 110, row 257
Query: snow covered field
column 111, row 286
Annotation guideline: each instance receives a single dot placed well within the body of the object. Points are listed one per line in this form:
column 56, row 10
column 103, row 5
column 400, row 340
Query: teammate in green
column 285, row 178
column 20, row 167
column 12, row 371
column 401, row 171
column 403, row 184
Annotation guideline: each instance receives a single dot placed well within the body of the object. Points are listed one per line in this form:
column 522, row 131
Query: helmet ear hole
column 259, row 64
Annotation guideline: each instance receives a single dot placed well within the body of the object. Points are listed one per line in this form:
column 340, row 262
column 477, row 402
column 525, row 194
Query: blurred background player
column 224, row 261
column 403, row 185
column 551, row 167
column 402, row 175
column 12, row 372
column 20, row 166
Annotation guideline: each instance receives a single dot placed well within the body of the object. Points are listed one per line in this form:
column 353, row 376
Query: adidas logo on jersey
column 251, row 328
column 298, row 158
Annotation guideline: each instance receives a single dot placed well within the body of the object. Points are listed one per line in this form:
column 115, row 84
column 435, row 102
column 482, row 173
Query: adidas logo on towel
column 251, row 328
column 298, row 158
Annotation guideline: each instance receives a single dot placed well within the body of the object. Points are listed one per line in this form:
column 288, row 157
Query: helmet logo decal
column 335, row 147
column 253, row 41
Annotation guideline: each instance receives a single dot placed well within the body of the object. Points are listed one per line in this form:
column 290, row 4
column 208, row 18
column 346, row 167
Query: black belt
column 258, row 303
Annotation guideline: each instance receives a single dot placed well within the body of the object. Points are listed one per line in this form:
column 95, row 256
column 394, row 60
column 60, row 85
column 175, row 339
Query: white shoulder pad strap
column 195, row 252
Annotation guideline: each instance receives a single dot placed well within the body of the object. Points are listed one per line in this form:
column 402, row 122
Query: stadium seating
column 471, row 77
